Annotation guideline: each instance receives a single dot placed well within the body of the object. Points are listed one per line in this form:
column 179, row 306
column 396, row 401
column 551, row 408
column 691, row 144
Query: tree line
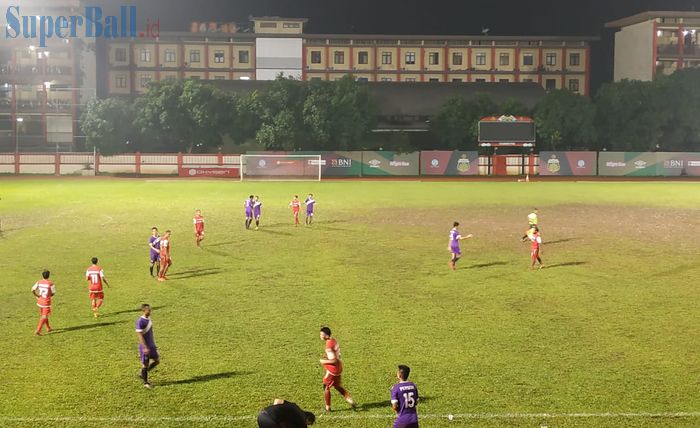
column 192, row 116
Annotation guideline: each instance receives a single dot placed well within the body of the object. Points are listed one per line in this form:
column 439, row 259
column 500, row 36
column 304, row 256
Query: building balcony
column 674, row 51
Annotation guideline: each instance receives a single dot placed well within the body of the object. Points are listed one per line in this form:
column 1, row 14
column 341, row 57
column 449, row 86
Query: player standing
column 453, row 248
column 165, row 259
column 147, row 345
column 154, row 248
column 404, row 398
column 95, row 275
column 248, row 204
column 536, row 241
column 334, row 368
column 257, row 209
column 43, row 290
column 310, row 203
column 198, row 222
column 295, row 204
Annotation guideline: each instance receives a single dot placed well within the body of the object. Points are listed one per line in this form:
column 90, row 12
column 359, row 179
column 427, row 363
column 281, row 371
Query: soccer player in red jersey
column 165, row 259
column 296, row 205
column 334, row 368
column 536, row 240
column 198, row 222
column 43, row 290
column 95, row 276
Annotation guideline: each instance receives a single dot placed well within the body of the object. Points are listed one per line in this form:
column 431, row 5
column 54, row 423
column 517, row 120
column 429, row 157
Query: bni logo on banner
column 93, row 23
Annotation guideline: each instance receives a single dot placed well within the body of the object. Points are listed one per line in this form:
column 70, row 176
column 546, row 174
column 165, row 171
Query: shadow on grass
column 276, row 232
column 204, row 378
column 484, row 265
column 85, row 327
column 218, row 244
column 566, row 264
column 175, row 276
column 129, row 311
column 559, row 241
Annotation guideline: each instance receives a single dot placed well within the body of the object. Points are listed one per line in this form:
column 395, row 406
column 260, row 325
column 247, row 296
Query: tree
column 108, row 126
column 514, row 107
column 565, row 117
column 280, row 111
column 456, row 123
column 631, row 115
column 681, row 132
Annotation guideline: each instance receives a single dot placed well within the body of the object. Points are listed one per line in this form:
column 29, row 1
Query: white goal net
column 281, row 167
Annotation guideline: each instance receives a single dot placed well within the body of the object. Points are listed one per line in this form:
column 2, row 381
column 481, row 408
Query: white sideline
column 472, row 416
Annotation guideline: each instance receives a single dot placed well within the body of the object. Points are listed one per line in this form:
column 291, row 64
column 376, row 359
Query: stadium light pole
column 19, row 122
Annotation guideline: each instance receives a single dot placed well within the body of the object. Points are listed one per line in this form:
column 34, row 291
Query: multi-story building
column 42, row 88
column 654, row 43
column 275, row 45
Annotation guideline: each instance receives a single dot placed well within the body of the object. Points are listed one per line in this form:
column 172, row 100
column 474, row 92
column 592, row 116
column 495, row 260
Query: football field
column 606, row 335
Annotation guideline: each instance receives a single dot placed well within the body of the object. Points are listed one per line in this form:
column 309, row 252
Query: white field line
column 456, row 416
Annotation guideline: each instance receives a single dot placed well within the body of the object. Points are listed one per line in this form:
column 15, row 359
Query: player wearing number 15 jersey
column 43, row 290
column 95, row 275
column 404, row 398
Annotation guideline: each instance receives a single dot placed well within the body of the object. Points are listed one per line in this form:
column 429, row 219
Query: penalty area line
column 472, row 416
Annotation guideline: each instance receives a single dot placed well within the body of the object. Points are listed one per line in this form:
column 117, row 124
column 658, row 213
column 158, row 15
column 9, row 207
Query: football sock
column 257, row 223
column 342, row 391
column 46, row 323
column 151, row 269
column 327, row 396
column 153, row 365
column 41, row 323
column 99, row 303
column 144, row 374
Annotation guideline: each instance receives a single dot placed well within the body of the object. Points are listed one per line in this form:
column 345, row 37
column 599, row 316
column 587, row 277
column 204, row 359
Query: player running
column 165, row 259
column 310, row 203
column 248, row 204
column 453, row 247
column 95, row 275
column 257, row 210
column 404, row 398
column 536, row 241
column 154, row 248
column 295, row 205
column 147, row 345
column 198, row 222
column 43, row 290
column 334, row 368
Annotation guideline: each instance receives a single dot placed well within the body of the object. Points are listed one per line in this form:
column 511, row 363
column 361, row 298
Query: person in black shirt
column 284, row 414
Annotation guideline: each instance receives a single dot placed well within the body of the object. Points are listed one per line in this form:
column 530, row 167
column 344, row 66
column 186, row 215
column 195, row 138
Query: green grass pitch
column 608, row 330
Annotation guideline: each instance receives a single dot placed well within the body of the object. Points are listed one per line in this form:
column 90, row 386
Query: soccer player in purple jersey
column 154, row 248
column 310, row 203
column 147, row 345
column 404, row 398
column 248, row 204
column 453, row 248
column 257, row 209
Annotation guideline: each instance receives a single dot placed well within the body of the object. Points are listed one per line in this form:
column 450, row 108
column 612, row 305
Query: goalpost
column 281, row 167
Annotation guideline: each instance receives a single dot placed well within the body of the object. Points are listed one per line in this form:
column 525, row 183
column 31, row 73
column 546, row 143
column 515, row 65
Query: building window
column 219, row 77
column 457, row 58
column 145, row 55
column 290, row 25
column 120, row 54
column 433, row 79
column 363, row 57
column 195, row 77
column 120, row 81
column 268, row 25
column 409, row 79
column 315, row 78
column 480, row 80
column 195, row 56
column 315, row 57
column 169, row 55
column 145, row 80
column 386, row 79
column 503, row 81
column 410, row 58
column 339, row 57
column 243, row 57
column 528, row 60
column 386, row 58
column 504, row 59
column 481, row 59
column 456, row 80
column 573, row 85
column 550, row 84
column 575, row 59
column 527, row 80
column 362, row 79
column 219, row 57
column 434, row 58
column 551, row 59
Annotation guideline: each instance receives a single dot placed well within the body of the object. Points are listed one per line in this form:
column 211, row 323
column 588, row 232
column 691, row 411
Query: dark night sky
column 455, row 17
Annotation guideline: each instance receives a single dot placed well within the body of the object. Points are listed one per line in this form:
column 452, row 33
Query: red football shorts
column 535, row 253
column 97, row 295
column 165, row 261
column 331, row 381
column 45, row 312
column 199, row 231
